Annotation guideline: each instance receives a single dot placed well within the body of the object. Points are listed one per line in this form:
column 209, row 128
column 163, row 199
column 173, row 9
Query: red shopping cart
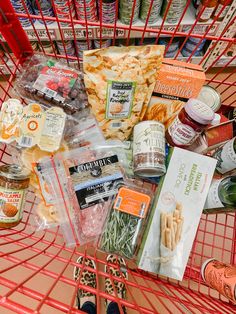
column 36, row 274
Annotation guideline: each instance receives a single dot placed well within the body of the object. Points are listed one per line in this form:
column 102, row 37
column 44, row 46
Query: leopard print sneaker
column 118, row 271
column 87, row 278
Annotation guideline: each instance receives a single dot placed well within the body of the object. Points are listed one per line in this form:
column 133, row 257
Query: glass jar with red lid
column 189, row 124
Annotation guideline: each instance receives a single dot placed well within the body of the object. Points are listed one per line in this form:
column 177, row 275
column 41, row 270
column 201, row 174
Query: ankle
column 87, row 299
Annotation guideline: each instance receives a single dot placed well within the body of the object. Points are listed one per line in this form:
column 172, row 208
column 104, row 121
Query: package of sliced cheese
column 119, row 83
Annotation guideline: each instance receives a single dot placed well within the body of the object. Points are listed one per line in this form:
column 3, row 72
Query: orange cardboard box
column 177, row 82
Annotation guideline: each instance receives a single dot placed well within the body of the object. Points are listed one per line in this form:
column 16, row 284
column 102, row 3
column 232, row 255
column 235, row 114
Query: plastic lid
column 204, row 266
column 14, row 172
column 216, row 119
column 199, row 111
column 210, row 97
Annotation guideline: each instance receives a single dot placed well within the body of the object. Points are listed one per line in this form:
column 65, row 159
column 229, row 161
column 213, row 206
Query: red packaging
column 220, row 276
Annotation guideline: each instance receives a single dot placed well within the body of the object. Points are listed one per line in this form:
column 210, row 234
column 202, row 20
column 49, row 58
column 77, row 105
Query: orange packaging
column 220, row 276
column 177, row 82
column 132, row 202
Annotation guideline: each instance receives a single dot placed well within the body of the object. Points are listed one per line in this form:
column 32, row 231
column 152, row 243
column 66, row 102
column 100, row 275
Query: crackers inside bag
column 119, row 83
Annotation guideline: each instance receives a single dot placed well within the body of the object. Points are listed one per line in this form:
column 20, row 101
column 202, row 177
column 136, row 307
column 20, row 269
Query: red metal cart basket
column 36, row 268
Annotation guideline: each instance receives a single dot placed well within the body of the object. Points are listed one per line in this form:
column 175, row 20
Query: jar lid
column 14, row 172
column 199, row 111
column 210, row 97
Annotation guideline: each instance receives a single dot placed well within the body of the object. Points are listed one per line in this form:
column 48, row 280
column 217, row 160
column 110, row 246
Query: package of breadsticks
column 127, row 216
column 175, row 214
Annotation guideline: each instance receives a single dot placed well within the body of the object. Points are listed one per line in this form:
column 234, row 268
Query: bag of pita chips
column 119, row 83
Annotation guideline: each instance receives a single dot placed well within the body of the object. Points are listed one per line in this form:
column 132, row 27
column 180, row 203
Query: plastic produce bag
column 85, row 132
column 82, row 183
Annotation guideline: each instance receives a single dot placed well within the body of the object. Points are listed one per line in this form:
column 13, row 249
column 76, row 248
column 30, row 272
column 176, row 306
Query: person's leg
column 119, row 270
column 113, row 308
column 86, row 300
column 89, row 307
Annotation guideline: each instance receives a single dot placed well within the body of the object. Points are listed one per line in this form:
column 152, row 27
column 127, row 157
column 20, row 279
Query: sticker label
column 11, row 205
column 10, row 117
column 94, row 181
column 119, row 99
column 213, row 200
column 52, row 130
column 31, row 125
column 226, row 157
column 182, row 134
column 132, row 202
column 206, row 13
column 149, row 139
column 223, row 13
column 55, row 82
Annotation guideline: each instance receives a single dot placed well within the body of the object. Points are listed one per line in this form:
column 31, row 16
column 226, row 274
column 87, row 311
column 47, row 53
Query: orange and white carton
column 177, row 82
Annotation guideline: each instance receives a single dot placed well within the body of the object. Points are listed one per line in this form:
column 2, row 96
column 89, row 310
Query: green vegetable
column 121, row 233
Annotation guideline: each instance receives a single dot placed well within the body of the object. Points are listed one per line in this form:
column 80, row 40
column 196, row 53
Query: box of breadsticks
column 177, row 82
column 176, row 213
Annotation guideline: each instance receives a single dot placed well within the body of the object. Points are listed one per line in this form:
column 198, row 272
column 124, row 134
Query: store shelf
column 94, row 32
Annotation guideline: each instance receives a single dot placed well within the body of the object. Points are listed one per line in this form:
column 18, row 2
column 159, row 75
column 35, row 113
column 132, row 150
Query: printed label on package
column 94, row 181
column 120, row 96
column 77, row 33
column 55, row 82
column 11, row 205
column 109, row 33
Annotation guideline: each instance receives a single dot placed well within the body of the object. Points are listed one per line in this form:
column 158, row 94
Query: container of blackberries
column 52, row 82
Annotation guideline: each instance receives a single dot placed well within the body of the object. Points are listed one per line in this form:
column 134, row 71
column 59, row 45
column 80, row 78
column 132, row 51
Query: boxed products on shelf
column 175, row 215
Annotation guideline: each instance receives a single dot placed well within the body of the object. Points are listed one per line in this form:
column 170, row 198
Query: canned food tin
column 210, row 97
column 126, row 9
column 155, row 11
column 14, row 180
column 103, row 44
column 221, row 277
column 149, row 149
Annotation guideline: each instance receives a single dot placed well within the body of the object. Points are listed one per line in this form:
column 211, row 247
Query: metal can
column 154, row 13
column 149, row 149
column 210, row 97
column 220, row 276
column 108, row 11
column 105, row 43
column 126, row 10
column 14, row 180
column 43, row 8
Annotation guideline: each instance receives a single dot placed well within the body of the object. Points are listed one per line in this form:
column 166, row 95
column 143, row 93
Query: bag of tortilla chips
column 119, row 83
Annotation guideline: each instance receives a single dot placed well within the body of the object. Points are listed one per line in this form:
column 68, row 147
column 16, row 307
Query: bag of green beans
column 128, row 214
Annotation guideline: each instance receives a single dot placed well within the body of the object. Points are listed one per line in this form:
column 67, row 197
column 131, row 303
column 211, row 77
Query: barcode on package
column 118, row 202
column 115, row 125
column 49, row 92
column 26, row 141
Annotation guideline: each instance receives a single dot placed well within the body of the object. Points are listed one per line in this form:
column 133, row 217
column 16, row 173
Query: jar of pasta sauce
column 14, row 180
column 189, row 124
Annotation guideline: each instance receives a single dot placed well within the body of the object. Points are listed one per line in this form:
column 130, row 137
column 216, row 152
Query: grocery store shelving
column 93, row 32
